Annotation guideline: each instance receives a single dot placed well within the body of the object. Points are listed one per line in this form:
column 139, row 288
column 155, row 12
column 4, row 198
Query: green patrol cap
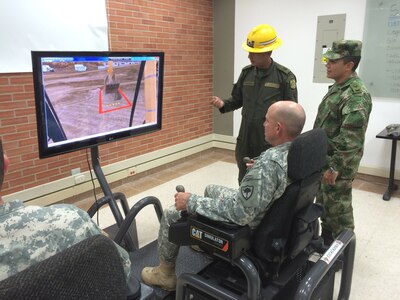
column 343, row 48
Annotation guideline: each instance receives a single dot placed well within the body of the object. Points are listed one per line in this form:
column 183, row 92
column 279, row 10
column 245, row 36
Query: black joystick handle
column 181, row 189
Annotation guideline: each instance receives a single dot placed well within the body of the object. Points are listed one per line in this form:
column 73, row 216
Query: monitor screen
column 85, row 99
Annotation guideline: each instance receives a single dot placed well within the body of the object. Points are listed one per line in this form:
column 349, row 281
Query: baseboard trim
column 65, row 188
column 379, row 172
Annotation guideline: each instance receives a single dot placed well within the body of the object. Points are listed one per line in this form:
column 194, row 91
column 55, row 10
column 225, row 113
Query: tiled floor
column 377, row 264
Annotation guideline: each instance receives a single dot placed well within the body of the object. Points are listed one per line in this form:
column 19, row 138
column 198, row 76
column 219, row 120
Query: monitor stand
column 130, row 240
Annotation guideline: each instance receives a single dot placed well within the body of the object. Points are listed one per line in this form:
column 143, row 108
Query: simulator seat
column 90, row 269
column 270, row 262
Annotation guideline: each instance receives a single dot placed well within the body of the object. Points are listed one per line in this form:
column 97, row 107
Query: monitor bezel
column 106, row 137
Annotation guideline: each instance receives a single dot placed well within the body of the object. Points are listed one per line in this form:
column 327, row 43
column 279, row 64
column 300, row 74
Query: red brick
column 183, row 32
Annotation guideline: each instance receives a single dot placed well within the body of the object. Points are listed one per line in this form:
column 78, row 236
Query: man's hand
column 217, row 102
column 329, row 177
column 250, row 163
column 180, row 200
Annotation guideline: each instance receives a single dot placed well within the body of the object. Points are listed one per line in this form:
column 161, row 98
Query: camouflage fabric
column 254, row 92
column 30, row 234
column 265, row 182
column 343, row 48
column 337, row 201
column 343, row 114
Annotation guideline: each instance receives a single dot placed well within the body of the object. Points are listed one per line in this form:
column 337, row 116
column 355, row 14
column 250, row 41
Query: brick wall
column 181, row 29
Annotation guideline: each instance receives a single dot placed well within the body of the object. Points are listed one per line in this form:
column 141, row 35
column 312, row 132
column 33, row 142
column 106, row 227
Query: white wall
column 296, row 23
column 47, row 25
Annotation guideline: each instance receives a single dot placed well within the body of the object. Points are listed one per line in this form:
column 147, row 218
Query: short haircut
column 293, row 118
column 295, row 124
column 354, row 59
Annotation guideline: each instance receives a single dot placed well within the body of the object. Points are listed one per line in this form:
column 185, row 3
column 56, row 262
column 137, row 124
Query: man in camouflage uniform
column 30, row 234
column 265, row 181
column 343, row 114
column 259, row 85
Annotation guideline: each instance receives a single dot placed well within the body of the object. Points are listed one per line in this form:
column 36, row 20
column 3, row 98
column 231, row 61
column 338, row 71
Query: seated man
column 30, row 234
column 264, row 182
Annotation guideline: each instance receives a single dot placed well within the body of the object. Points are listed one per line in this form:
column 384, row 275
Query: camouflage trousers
column 337, row 202
column 169, row 251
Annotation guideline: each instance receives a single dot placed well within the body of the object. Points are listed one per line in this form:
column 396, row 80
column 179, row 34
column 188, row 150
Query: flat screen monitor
column 84, row 99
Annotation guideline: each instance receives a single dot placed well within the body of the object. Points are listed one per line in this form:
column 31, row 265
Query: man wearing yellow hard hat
column 260, row 84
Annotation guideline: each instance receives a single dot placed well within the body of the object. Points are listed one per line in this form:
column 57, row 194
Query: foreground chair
column 90, row 269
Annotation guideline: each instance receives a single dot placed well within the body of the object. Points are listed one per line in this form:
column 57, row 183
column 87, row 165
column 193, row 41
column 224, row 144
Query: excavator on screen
column 111, row 86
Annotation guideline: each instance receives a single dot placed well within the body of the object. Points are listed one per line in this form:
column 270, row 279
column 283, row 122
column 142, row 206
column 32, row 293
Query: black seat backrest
column 90, row 269
column 278, row 235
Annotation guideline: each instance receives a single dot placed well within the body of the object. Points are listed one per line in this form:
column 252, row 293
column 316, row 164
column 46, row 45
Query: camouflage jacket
column 263, row 183
column 343, row 114
column 30, row 234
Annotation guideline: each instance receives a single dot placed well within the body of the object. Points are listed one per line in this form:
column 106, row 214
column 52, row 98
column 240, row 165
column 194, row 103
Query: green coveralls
column 254, row 92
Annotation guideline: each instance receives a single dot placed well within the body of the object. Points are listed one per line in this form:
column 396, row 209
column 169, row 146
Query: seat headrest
column 307, row 154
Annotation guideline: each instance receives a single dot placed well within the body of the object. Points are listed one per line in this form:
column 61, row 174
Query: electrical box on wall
column 329, row 28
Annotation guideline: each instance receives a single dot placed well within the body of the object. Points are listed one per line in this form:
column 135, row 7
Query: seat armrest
column 223, row 239
column 219, row 224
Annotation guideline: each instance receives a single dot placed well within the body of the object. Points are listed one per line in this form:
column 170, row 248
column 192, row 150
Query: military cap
column 343, row 48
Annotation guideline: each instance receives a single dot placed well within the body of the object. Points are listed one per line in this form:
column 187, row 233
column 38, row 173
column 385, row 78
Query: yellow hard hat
column 262, row 38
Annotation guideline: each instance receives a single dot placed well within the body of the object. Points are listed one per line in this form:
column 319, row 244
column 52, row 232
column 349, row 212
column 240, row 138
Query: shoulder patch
column 247, row 191
column 356, row 87
column 293, row 84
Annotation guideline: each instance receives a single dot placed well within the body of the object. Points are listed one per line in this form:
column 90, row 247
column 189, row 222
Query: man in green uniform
column 260, row 84
column 343, row 114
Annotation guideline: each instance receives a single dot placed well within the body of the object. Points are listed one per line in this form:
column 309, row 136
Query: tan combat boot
column 163, row 276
